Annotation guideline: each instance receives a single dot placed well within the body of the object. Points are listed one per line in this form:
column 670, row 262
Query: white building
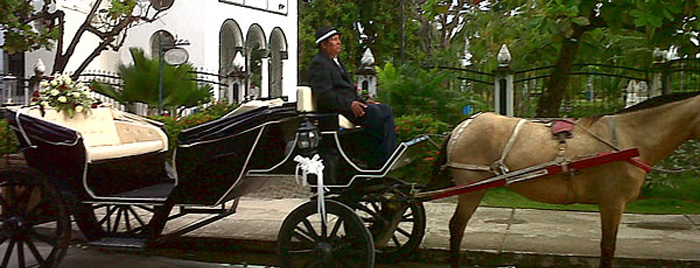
column 216, row 31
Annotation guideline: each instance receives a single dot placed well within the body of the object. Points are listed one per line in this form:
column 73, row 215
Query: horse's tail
column 441, row 175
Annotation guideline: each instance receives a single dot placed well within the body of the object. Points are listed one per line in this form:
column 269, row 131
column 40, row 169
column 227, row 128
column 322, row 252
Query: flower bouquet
column 65, row 95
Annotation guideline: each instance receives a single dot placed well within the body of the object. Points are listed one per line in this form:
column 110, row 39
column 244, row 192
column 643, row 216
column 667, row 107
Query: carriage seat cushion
column 106, row 138
column 307, row 104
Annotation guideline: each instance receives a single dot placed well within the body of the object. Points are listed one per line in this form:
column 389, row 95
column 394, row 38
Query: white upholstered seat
column 306, row 104
column 109, row 133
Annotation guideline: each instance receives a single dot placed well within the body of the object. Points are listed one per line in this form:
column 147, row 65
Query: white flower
column 62, row 99
column 54, row 83
column 45, row 103
column 66, row 79
column 86, row 93
column 76, row 94
column 44, row 84
column 54, row 92
column 78, row 109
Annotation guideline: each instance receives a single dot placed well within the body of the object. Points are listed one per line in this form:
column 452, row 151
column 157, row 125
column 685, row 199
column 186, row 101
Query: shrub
column 410, row 126
column 8, row 140
column 173, row 126
column 410, row 89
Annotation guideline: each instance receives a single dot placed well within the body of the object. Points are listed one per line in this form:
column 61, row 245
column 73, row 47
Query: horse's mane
column 647, row 104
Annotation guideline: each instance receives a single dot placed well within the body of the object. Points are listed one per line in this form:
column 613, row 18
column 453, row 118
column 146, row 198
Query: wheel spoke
column 20, row 254
column 34, row 251
column 304, row 237
column 137, row 217
column 301, row 252
column 403, row 232
column 151, row 210
column 8, row 253
column 116, row 221
column 336, row 227
column 108, row 216
column 396, row 241
column 311, row 232
column 127, row 222
column 374, row 206
column 43, row 238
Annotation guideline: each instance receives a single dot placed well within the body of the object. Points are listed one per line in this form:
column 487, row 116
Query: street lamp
column 172, row 55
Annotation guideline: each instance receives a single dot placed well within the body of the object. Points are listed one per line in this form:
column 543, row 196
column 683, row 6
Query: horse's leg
column 610, row 216
column 465, row 209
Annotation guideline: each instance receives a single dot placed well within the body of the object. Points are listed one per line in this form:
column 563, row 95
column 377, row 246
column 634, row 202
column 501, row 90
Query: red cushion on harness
column 562, row 126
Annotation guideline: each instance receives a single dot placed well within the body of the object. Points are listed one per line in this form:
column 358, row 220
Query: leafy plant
column 141, row 84
column 410, row 126
column 173, row 126
column 8, row 140
column 412, row 90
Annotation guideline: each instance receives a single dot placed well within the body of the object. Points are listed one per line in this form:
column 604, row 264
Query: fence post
column 659, row 76
column 503, row 83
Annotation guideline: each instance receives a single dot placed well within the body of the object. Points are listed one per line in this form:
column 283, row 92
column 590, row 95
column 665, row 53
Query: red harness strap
column 633, row 160
column 640, row 164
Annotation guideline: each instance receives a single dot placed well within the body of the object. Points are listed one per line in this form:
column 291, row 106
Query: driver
column 335, row 91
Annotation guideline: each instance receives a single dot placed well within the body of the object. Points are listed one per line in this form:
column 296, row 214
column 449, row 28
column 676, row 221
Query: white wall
column 198, row 21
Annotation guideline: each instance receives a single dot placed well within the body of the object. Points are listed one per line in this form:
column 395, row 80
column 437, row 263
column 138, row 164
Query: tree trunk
column 553, row 93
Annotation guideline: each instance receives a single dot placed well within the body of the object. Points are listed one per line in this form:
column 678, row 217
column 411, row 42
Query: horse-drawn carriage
column 108, row 170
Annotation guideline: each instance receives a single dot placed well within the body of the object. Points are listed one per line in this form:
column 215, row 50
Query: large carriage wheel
column 409, row 226
column 140, row 221
column 343, row 242
column 35, row 229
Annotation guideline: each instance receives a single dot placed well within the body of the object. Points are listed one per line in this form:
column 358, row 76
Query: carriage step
column 120, row 243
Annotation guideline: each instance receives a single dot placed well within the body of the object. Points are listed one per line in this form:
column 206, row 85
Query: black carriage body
column 213, row 159
column 59, row 153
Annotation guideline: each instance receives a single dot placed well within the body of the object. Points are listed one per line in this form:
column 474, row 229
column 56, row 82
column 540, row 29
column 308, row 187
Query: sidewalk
column 508, row 236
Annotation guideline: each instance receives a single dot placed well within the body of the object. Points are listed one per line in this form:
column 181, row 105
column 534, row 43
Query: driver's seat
column 307, row 104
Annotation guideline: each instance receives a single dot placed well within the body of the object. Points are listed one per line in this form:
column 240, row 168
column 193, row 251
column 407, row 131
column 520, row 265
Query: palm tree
column 180, row 90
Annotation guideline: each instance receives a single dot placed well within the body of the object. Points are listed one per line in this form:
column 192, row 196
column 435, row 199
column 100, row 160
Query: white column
column 265, row 78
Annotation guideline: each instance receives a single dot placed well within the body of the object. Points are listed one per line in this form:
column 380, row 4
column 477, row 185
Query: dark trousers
column 378, row 123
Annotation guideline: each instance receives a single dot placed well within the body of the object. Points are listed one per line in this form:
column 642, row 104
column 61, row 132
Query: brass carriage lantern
column 308, row 136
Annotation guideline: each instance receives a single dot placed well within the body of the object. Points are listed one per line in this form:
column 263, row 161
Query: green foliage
column 8, row 140
column 380, row 21
column 141, row 84
column 16, row 23
column 411, row 90
column 683, row 185
column 173, row 126
column 410, row 126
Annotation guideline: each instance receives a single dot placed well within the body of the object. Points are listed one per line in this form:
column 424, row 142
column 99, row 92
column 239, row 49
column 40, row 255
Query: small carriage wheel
column 344, row 242
column 100, row 220
column 408, row 234
column 35, row 229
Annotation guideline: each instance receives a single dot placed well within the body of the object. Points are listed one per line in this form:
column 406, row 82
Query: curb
column 434, row 256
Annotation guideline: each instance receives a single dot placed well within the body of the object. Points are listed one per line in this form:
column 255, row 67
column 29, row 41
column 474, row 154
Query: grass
column 662, row 194
column 502, row 197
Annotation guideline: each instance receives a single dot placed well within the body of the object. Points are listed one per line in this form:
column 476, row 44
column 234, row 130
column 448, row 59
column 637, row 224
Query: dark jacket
column 332, row 86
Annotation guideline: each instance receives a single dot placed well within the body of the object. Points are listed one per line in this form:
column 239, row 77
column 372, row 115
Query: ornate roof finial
column 504, row 56
column 367, row 58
